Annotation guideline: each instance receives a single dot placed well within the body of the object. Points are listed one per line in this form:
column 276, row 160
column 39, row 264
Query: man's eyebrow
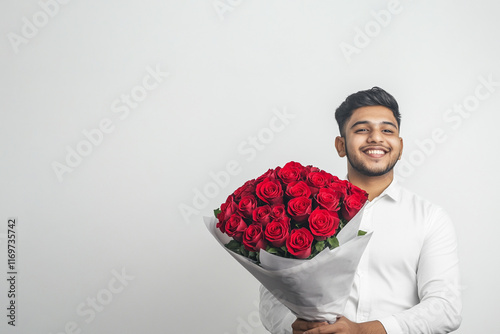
column 368, row 122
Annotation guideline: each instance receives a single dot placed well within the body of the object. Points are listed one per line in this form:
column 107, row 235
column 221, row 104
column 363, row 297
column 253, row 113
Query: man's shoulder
column 418, row 202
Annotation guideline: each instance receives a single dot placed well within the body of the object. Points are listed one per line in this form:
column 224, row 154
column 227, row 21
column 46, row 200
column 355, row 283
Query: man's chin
column 374, row 172
column 371, row 172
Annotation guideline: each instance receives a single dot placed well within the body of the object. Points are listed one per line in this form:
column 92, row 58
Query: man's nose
column 375, row 136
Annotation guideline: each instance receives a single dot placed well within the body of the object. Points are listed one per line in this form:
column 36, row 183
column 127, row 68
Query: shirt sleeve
column 440, row 307
column 275, row 317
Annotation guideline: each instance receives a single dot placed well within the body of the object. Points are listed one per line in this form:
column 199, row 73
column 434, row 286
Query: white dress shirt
column 408, row 277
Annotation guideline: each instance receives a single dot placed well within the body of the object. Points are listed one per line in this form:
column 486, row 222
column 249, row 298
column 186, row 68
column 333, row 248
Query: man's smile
column 375, row 152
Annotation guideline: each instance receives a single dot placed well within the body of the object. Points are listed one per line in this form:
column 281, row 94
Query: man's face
column 372, row 143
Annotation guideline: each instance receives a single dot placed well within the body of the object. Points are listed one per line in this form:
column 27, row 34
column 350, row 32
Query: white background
column 232, row 66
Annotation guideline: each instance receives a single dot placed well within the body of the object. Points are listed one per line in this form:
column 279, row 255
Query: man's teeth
column 375, row 152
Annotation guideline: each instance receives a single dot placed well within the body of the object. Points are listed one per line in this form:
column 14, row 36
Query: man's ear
column 401, row 151
column 340, row 146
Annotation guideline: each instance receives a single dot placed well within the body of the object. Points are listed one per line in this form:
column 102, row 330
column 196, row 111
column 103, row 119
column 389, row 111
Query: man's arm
column 439, row 310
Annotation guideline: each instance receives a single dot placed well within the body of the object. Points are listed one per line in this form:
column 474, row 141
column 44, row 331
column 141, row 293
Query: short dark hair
column 375, row 96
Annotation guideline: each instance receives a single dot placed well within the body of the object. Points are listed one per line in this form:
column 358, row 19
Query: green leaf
column 360, row 232
column 243, row 251
column 332, row 242
column 252, row 255
column 234, row 246
column 272, row 250
column 320, row 245
column 216, row 212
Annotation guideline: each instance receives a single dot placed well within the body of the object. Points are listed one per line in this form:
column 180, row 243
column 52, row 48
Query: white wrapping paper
column 315, row 289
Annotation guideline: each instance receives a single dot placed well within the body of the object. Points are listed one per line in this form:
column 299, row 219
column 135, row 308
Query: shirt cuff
column 391, row 325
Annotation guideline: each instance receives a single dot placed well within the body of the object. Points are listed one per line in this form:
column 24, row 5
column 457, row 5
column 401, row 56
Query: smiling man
column 408, row 278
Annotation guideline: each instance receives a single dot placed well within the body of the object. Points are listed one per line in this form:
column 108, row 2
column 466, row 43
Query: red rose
column 292, row 171
column 309, row 169
column 340, row 186
column 278, row 211
column 328, row 199
column 270, row 191
column 318, row 179
column 299, row 243
column 262, row 215
column 352, row 189
column 323, row 223
column 271, row 174
column 227, row 209
column 247, row 189
column 235, row 227
column 299, row 208
column 246, row 206
column 353, row 202
column 253, row 238
column 298, row 189
column 277, row 231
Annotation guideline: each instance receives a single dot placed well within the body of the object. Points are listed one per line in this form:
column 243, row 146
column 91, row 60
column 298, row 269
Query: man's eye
column 361, row 130
column 388, row 131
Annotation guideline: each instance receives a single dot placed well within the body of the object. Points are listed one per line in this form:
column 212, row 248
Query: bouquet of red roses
column 295, row 229
column 293, row 212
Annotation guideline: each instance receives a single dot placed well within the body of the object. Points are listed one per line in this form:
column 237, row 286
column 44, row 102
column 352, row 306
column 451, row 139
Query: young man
column 408, row 278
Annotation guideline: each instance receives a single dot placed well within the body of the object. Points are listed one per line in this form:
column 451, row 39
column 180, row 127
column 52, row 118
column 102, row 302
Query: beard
column 361, row 168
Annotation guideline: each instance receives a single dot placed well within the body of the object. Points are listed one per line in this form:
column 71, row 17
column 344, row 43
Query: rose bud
column 298, row 189
column 299, row 243
column 292, row 171
column 235, row 227
column 323, row 223
column 278, row 211
column 227, row 209
column 247, row 189
column 328, row 199
column 270, row 174
column 262, row 215
column 270, row 191
column 253, row 238
column 340, row 186
column 317, row 180
column 246, row 206
column 277, row 232
column 299, row 208
column 309, row 169
column 353, row 202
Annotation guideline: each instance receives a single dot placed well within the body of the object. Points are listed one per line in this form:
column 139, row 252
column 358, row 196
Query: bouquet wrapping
column 296, row 230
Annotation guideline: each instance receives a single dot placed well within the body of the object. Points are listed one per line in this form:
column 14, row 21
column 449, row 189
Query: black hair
column 375, row 96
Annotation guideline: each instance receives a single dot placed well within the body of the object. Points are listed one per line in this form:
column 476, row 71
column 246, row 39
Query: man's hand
column 341, row 326
column 300, row 326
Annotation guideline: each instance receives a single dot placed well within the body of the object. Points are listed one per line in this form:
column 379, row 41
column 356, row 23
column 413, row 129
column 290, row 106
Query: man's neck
column 373, row 185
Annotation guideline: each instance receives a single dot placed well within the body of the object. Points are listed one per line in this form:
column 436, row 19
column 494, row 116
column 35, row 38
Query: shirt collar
column 393, row 191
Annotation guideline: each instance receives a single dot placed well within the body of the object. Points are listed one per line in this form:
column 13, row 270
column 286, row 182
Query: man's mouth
column 375, row 152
